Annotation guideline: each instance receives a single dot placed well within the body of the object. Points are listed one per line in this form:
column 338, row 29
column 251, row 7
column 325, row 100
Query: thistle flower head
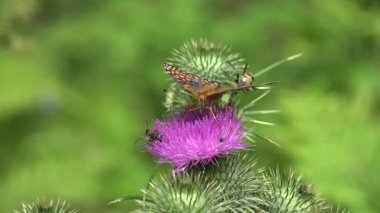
column 290, row 194
column 235, row 185
column 47, row 206
column 197, row 137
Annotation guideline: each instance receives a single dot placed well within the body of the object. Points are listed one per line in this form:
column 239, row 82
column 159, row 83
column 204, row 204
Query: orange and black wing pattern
column 188, row 81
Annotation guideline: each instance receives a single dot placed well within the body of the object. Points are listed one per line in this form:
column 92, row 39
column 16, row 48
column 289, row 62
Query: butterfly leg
column 211, row 111
column 207, row 104
column 187, row 112
column 193, row 109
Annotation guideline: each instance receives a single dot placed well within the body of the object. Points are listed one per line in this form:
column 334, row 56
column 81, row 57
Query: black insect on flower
column 152, row 135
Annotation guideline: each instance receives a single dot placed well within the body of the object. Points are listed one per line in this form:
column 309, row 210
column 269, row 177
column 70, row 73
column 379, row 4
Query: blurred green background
column 79, row 80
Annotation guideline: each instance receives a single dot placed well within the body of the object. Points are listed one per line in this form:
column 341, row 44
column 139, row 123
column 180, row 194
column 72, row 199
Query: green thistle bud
column 46, row 206
column 234, row 185
column 290, row 194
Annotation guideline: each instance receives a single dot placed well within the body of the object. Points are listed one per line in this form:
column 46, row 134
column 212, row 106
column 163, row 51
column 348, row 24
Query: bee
column 207, row 92
column 152, row 135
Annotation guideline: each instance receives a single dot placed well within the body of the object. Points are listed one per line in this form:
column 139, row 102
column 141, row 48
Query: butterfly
column 205, row 91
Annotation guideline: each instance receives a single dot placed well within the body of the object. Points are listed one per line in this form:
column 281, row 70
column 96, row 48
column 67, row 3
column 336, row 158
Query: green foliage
column 79, row 80
column 353, row 150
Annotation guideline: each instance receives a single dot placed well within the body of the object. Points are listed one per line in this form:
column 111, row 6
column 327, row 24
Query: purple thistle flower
column 196, row 137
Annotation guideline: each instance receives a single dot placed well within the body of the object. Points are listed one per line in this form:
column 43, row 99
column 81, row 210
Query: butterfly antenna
column 277, row 64
column 245, row 68
column 238, row 75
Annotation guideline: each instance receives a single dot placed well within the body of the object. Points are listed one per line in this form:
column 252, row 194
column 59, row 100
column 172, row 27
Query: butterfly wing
column 190, row 82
